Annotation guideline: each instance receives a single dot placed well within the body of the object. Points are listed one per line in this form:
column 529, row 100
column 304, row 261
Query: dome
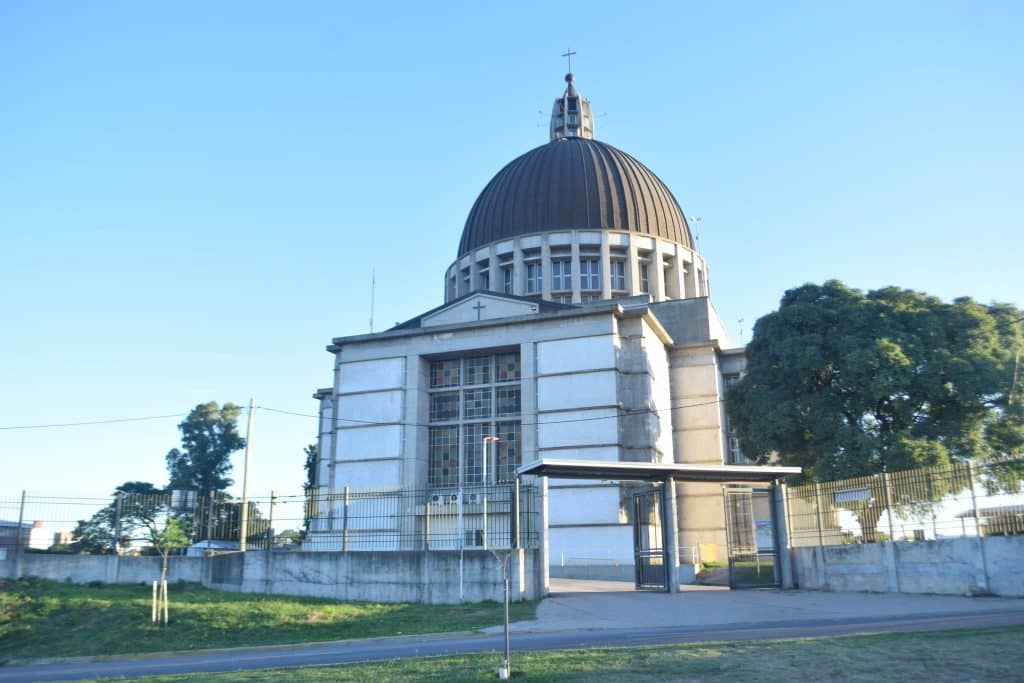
column 574, row 183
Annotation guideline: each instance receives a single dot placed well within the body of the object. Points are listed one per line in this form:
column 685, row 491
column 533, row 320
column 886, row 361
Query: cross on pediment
column 479, row 307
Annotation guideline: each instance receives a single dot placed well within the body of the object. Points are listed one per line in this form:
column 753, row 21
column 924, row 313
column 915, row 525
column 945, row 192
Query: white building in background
column 577, row 324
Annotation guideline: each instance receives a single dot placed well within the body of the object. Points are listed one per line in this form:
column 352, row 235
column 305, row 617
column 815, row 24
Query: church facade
column 577, row 323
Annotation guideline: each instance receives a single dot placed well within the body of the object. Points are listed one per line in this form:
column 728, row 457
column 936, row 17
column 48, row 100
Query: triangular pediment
column 480, row 306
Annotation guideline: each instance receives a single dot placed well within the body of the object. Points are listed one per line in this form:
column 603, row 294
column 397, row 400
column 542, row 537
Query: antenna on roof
column 373, row 291
column 696, row 233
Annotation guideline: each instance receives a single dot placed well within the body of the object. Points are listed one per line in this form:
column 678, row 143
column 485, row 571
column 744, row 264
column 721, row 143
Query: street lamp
column 504, row 672
column 487, row 440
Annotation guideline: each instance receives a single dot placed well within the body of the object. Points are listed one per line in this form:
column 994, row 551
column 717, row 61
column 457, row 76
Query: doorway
column 649, row 561
column 751, row 538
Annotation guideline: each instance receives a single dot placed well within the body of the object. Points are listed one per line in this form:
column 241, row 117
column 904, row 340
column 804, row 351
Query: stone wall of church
column 698, row 436
column 597, row 383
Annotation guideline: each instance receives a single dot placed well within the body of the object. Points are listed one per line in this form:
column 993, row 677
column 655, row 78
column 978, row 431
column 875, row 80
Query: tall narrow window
column 534, row 283
column 561, row 275
column 618, row 275
column 484, row 278
column 645, row 282
column 506, row 279
column 590, row 273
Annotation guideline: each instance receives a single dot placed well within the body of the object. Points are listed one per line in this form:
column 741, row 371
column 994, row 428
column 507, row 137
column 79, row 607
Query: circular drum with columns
column 577, row 220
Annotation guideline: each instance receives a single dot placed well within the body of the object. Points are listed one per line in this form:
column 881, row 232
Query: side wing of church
column 577, row 324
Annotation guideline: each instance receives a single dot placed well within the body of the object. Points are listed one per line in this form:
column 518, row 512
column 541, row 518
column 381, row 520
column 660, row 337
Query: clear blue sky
column 192, row 196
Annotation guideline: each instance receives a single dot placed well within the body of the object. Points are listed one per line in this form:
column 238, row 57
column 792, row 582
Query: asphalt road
column 344, row 652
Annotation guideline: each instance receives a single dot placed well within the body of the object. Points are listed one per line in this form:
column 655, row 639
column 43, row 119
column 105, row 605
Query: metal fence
column 912, row 505
column 497, row 516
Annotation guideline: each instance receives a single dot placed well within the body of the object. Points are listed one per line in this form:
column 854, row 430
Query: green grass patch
column 42, row 619
column 966, row 655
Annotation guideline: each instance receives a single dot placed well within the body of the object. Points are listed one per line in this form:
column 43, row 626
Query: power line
column 86, row 423
column 511, row 418
column 93, row 422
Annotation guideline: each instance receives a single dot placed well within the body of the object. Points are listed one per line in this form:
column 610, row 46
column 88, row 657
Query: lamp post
column 462, row 534
column 487, row 440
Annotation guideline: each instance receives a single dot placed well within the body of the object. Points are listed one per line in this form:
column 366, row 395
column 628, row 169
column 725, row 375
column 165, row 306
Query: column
column 668, row 493
column 606, row 267
column 518, row 270
column 575, row 267
column 545, row 268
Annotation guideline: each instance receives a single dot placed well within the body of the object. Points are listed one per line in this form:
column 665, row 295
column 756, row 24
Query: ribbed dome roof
column 574, row 183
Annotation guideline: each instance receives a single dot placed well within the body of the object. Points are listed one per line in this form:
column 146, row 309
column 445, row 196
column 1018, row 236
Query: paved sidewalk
column 575, row 605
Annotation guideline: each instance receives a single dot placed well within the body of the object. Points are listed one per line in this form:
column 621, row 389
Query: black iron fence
column 913, row 505
column 181, row 522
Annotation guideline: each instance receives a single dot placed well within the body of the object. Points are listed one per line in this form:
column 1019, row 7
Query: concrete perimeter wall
column 955, row 566
column 427, row 577
column 101, row 568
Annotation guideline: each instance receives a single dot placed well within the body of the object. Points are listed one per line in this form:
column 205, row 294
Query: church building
column 576, row 323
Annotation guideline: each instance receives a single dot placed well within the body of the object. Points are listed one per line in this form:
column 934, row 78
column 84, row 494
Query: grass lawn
column 41, row 619
column 966, row 655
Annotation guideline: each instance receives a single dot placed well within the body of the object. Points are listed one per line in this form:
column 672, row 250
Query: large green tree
column 209, row 435
column 846, row 384
column 135, row 504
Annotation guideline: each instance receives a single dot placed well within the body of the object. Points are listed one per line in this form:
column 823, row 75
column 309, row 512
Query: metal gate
column 649, row 542
column 751, row 538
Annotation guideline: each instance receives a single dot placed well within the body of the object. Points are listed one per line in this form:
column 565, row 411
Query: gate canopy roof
column 654, row 471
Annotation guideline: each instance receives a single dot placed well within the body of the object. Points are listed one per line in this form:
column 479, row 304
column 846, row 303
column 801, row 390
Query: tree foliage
column 136, row 504
column 209, row 435
column 311, row 452
column 846, row 384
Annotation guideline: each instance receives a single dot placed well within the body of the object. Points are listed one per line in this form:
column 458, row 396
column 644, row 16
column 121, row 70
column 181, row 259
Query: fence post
column 890, row 547
column 209, row 521
column 270, row 522
column 977, row 529
column 18, row 544
column 514, row 541
column 344, row 521
column 117, row 536
column 888, row 505
column 817, row 514
column 268, row 558
column 974, row 502
column 426, row 522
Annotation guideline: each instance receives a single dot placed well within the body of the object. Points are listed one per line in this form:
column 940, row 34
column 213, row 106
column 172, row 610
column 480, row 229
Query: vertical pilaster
column 669, row 520
column 606, row 267
column 518, row 269
column 656, row 274
column 494, row 270
column 545, row 268
column 633, row 269
column 575, row 267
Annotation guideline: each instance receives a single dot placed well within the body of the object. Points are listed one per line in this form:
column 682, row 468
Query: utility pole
column 244, row 526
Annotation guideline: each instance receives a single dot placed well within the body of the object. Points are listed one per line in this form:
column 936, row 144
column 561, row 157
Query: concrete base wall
column 953, row 566
column 426, row 577
column 102, row 568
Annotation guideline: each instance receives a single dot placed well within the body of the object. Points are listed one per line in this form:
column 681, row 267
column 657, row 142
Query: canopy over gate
column 665, row 473
column 654, row 471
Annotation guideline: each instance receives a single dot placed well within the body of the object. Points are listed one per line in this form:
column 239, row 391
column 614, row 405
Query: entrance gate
column 649, row 542
column 751, row 538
